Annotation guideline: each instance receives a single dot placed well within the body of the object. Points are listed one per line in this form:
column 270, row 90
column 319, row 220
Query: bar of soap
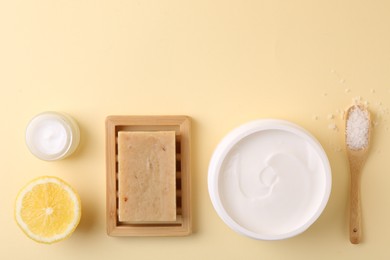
column 146, row 176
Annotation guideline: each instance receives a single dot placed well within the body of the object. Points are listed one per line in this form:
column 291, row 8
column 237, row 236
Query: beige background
column 221, row 62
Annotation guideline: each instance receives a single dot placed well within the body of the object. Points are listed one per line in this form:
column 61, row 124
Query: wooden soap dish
column 179, row 124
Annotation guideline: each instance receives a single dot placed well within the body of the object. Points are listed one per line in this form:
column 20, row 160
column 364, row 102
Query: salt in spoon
column 357, row 137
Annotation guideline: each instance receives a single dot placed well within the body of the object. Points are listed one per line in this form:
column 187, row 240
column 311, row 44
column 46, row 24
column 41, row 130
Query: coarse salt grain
column 357, row 128
column 333, row 126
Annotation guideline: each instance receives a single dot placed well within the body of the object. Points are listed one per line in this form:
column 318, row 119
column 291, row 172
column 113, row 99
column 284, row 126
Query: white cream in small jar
column 52, row 136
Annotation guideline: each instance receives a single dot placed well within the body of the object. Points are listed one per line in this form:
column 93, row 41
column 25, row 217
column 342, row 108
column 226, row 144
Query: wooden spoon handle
column 355, row 230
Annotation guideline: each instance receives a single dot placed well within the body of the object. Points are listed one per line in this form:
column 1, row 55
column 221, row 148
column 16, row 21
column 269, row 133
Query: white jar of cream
column 52, row 136
column 269, row 179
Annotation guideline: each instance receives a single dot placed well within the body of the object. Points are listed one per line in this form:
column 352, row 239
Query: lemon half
column 47, row 209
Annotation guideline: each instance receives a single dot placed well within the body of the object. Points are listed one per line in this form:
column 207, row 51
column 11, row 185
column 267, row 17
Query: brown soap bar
column 146, row 176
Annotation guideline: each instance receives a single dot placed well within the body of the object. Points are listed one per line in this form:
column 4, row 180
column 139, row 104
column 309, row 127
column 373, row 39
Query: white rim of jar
column 72, row 131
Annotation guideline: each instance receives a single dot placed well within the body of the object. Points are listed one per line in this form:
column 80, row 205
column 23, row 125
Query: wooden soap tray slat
column 181, row 125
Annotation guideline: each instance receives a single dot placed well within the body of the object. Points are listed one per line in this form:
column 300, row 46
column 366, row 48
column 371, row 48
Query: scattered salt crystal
column 372, row 91
column 357, row 100
column 333, row 126
column 347, row 90
column 330, row 116
column 357, row 128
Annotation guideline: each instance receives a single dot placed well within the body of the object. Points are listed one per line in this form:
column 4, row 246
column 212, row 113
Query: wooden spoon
column 357, row 133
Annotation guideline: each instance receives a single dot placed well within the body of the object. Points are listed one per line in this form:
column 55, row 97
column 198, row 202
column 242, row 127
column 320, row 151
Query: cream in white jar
column 52, row 136
column 269, row 179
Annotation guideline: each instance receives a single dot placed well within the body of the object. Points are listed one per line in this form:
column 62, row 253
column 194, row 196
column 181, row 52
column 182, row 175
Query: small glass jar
column 52, row 136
